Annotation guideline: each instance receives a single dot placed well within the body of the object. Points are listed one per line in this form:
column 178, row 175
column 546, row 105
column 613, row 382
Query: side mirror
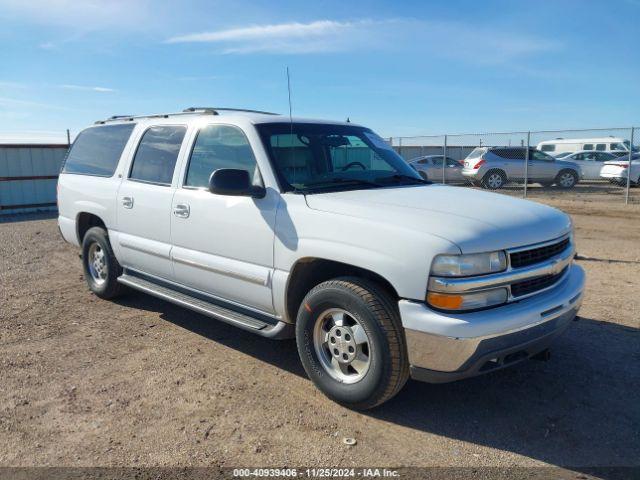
column 234, row 182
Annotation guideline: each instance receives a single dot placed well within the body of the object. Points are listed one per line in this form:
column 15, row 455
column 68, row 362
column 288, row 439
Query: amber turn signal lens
column 448, row 302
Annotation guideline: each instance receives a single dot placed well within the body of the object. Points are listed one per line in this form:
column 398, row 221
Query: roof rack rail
column 224, row 109
column 186, row 111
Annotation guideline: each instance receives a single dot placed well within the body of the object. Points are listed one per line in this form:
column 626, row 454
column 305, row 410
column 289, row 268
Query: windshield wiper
column 400, row 177
column 339, row 181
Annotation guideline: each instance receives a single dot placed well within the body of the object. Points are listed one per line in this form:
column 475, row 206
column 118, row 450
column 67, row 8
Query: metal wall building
column 28, row 176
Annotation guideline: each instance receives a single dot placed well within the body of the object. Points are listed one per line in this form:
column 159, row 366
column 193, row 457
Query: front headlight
column 468, row 265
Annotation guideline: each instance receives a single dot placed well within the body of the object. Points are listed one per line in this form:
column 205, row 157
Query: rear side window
column 511, row 153
column 548, row 148
column 603, row 157
column 97, row 150
column 587, row 146
column 601, row 147
column 157, row 153
column 219, row 146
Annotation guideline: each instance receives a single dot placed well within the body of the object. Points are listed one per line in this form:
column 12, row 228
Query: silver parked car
column 430, row 168
column 590, row 162
column 494, row 167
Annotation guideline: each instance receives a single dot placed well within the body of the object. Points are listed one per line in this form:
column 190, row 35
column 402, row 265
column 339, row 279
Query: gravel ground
column 140, row 382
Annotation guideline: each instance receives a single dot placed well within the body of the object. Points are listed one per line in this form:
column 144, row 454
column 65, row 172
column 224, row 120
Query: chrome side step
column 233, row 317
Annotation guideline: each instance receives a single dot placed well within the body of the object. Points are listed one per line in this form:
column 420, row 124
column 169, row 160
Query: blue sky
column 402, row 67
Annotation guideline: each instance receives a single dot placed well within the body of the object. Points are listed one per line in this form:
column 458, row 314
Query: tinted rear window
column 97, row 150
column 548, row 148
column 511, row 153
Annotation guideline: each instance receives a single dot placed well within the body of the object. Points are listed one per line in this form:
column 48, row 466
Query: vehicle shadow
column 280, row 353
column 580, row 410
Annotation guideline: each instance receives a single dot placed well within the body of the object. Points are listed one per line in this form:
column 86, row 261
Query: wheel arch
column 85, row 221
column 308, row 272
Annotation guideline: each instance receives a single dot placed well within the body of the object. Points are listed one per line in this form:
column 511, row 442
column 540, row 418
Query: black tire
column 377, row 313
column 566, row 174
column 489, row 181
column 423, row 175
column 109, row 287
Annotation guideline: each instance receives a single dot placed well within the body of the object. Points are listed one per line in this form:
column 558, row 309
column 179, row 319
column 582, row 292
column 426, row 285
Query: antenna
column 289, row 91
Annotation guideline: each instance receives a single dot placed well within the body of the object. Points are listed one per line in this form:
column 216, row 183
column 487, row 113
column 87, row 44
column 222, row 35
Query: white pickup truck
column 319, row 230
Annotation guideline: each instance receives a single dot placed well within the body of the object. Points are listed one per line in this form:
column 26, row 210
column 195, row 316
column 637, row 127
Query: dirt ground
column 136, row 382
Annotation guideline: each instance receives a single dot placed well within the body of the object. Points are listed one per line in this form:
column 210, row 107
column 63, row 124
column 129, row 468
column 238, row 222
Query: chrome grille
column 526, row 287
column 525, row 258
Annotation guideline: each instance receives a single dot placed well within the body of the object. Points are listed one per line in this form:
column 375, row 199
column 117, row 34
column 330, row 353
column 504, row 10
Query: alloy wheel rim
column 494, row 180
column 342, row 345
column 97, row 264
column 566, row 180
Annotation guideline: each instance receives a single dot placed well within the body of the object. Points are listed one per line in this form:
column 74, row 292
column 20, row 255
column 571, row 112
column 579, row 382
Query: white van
column 602, row 144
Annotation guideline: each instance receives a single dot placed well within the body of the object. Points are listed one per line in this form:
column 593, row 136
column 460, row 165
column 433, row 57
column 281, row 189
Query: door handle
column 181, row 210
column 127, row 202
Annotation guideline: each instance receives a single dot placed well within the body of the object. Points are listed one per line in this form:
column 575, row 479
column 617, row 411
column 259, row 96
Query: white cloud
column 88, row 88
column 286, row 38
column 262, row 32
column 428, row 39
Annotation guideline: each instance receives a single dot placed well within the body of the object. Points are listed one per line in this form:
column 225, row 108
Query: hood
column 475, row 221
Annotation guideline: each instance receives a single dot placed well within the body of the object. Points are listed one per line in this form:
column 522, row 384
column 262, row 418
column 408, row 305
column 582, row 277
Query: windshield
column 309, row 157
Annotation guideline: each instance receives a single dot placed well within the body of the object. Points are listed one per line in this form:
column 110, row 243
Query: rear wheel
column 566, row 179
column 101, row 269
column 494, row 179
column 351, row 342
column 423, row 175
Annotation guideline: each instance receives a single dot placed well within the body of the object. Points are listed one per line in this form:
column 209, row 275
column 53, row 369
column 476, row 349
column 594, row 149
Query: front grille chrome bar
column 552, row 266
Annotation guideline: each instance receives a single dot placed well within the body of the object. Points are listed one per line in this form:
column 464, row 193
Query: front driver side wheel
column 351, row 342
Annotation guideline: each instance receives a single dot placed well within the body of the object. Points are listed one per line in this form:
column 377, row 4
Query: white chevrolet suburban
column 319, row 231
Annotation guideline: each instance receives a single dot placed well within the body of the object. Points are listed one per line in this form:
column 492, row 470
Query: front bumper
column 444, row 347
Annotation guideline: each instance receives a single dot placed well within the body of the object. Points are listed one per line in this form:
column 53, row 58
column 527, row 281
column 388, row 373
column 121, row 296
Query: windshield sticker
column 378, row 141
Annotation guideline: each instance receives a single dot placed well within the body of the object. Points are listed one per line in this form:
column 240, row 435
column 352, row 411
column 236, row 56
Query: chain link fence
column 583, row 164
